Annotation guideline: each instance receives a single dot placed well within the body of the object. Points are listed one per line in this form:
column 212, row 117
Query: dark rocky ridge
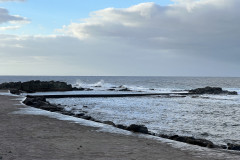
column 211, row 90
column 37, row 86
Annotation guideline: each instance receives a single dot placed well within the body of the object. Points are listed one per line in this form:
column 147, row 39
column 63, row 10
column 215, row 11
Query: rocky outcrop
column 15, row 91
column 192, row 140
column 211, row 90
column 231, row 146
column 138, row 128
column 109, row 123
column 37, row 86
column 41, row 103
column 120, row 126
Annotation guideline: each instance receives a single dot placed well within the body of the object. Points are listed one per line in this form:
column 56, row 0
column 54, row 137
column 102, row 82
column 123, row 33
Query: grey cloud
column 5, row 17
column 63, row 55
column 207, row 27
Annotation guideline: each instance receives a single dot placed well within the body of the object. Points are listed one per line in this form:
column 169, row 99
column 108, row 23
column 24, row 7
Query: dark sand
column 31, row 137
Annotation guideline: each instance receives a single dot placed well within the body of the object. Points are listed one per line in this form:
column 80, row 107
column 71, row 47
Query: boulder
column 232, row 92
column 200, row 142
column 192, row 140
column 86, row 117
column 111, row 89
column 88, row 89
column 164, row 136
column 79, row 115
column 138, row 128
column 211, row 90
column 233, row 146
column 35, row 101
column 78, row 89
column 41, row 103
column 15, row 91
column 121, row 126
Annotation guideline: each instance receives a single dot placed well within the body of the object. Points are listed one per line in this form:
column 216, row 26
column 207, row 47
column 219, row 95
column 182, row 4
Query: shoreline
column 40, row 137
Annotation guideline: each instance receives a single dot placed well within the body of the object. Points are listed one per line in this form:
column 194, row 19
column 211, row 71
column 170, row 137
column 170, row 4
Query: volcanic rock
column 211, row 90
column 138, row 128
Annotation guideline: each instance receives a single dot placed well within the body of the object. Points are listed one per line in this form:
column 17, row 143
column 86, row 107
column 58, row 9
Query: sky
column 120, row 38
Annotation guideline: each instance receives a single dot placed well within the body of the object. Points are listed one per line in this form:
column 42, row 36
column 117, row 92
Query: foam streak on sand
column 26, row 136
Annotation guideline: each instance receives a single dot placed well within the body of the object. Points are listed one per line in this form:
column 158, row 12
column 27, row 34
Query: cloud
column 188, row 38
column 205, row 27
column 9, row 28
column 5, row 17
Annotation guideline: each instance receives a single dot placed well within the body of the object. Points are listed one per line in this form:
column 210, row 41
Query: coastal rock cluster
column 192, row 140
column 211, row 90
column 45, row 86
column 36, row 86
column 42, row 103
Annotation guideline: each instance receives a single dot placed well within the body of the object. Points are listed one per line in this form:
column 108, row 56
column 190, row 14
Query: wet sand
column 31, row 137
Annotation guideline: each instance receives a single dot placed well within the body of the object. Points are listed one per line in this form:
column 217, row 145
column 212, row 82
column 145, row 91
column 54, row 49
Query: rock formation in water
column 211, row 90
column 36, row 86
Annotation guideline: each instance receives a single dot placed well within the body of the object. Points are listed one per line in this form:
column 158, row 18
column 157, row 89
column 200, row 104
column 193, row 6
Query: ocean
column 212, row 117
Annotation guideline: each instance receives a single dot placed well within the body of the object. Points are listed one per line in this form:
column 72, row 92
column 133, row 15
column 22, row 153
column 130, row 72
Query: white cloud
column 9, row 28
column 23, row 21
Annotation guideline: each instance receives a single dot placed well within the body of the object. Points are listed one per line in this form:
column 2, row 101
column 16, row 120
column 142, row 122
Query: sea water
column 212, row 117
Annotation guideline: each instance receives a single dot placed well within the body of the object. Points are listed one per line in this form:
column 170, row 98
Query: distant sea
column 212, row 117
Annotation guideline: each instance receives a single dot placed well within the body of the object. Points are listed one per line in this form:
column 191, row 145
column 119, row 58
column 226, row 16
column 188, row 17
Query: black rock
column 191, row 140
column 223, row 147
column 178, row 138
column 35, row 101
column 121, row 126
column 37, row 86
column 86, row 117
column 199, row 142
column 15, row 91
column 80, row 115
column 125, row 90
column 41, row 103
column 233, row 146
column 78, row 89
column 164, row 136
column 138, row 128
column 88, row 89
column 211, row 90
column 111, row 89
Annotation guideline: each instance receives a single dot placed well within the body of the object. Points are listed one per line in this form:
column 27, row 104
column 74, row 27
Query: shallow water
column 208, row 117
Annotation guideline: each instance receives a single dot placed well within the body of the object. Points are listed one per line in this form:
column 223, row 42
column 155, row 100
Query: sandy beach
column 31, row 137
